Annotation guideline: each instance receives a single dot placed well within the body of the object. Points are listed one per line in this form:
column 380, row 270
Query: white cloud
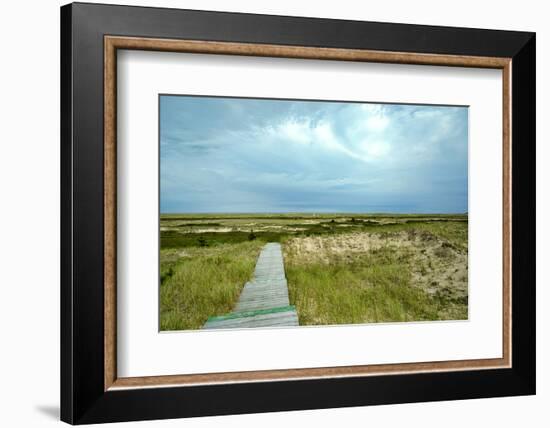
column 321, row 136
column 295, row 155
column 376, row 149
column 294, row 131
column 377, row 119
column 377, row 123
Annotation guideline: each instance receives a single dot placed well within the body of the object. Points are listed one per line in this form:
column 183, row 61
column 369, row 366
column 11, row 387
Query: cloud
column 231, row 154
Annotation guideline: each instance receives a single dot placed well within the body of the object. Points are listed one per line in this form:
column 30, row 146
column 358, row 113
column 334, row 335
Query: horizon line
column 313, row 213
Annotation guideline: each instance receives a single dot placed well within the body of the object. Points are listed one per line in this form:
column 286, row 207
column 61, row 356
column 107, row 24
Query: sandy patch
column 436, row 266
column 183, row 253
column 210, row 230
column 323, row 248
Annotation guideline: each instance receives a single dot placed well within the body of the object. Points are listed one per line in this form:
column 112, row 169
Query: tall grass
column 202, row 274
column 203, row 282
column 372, row 287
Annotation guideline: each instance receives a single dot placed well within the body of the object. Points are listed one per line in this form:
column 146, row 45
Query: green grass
column 374, row 287
column 184, row 235
column 202, row 272
column 204, row 282
column 179, row 240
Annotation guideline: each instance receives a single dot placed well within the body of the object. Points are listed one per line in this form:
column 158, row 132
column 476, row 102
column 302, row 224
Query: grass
column 362, row 268
column 372, row 287
column 178, row 240
column 204, row 282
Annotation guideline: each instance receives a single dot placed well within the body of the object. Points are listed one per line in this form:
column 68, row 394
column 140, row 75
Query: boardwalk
column 264, row 300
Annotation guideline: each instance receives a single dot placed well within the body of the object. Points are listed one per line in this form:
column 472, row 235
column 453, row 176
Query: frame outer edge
column 66, row 181
column 298, row 30
column 524, row 215
column 83, row 397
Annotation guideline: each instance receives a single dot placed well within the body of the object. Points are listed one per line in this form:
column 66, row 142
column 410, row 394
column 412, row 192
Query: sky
column 238, row 155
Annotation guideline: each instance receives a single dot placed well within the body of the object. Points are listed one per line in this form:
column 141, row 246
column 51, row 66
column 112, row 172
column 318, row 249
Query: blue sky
column 255, row 155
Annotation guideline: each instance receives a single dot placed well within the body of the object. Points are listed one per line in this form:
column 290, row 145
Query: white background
column 29, row 219
column 142, row 351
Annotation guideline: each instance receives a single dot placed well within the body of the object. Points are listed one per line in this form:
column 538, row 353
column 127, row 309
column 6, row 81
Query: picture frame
column 91, row 35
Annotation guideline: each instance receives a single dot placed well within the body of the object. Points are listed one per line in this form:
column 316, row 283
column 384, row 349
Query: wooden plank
column 277, row 319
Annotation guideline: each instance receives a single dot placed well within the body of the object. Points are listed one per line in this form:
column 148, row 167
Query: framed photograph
column 265, row 213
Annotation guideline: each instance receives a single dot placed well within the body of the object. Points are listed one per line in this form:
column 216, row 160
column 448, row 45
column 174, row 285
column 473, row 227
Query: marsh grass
column 374, row 287
column 204, row 281
column 206, row 260
column 179, row 240
column 387, row 273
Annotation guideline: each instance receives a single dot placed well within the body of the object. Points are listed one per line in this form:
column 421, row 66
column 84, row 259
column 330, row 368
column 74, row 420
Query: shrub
column 166, row 275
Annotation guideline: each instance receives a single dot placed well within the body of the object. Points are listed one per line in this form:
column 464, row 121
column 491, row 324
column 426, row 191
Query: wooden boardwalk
column 264, row 300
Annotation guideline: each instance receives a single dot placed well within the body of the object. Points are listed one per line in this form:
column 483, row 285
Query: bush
column 166, row 275
column 251, row 236
column 202, row 242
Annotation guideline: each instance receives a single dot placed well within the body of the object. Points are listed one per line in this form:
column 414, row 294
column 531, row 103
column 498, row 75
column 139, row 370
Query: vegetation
column 341, row 269
column 374, row 287
column 387, row 279
column 203, row 281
